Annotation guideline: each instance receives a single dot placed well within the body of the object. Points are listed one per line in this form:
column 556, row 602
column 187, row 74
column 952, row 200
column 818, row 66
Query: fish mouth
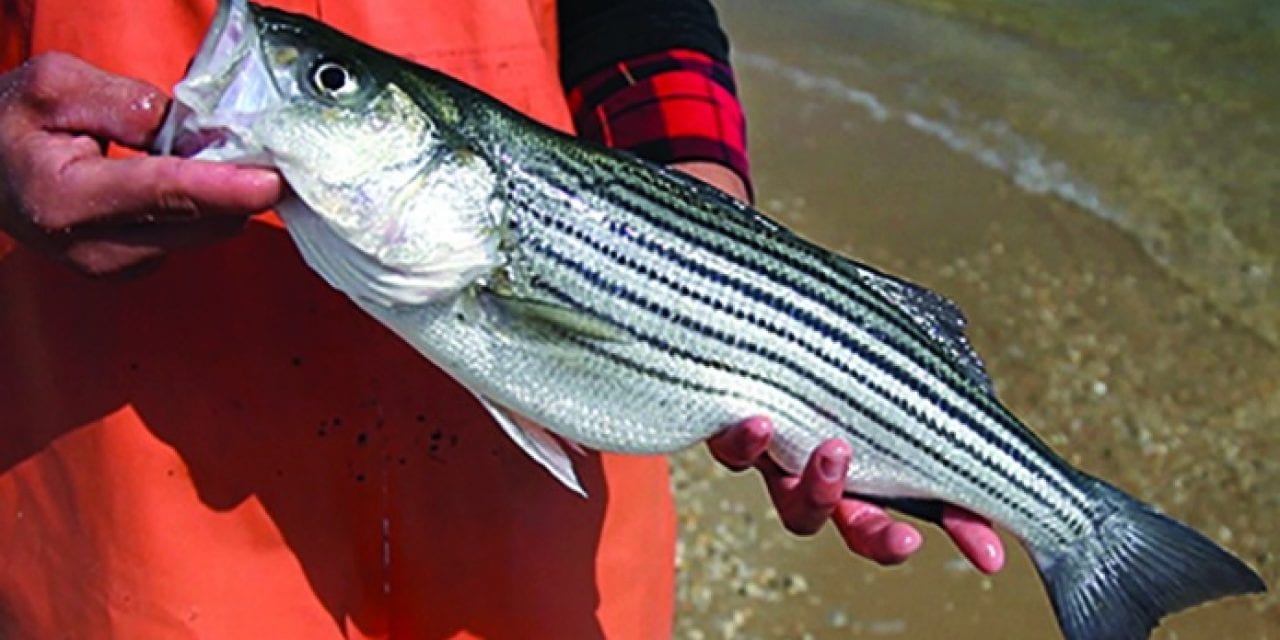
column 228, row 86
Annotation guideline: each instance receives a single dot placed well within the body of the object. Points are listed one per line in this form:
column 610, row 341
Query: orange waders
column 226, row 448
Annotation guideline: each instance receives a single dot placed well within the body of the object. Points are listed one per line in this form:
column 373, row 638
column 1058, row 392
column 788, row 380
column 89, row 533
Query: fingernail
column 756, row 424
column 909, row 540
column 258, row 182
column 752, row 436
column 260, row 177
column 993, row 558
column 832, row 466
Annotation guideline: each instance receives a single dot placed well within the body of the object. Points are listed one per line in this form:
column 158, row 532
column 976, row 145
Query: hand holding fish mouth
column 807, row 501
column 63, row 196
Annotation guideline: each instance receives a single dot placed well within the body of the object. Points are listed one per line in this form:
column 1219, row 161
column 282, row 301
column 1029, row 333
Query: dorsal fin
column 938, row 317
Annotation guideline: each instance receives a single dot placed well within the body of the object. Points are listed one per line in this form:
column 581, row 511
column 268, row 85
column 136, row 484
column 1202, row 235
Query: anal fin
column 538, row 443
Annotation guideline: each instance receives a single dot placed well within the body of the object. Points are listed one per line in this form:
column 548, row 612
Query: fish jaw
column 228, row 87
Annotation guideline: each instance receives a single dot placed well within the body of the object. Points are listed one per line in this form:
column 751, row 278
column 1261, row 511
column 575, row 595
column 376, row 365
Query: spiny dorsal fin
column 938, row 317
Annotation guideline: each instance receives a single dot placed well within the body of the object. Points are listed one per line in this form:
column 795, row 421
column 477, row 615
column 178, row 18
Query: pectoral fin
column 538, row 443
column 532, row 312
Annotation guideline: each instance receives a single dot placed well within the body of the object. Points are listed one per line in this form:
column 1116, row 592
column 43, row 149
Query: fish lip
column 193, row 123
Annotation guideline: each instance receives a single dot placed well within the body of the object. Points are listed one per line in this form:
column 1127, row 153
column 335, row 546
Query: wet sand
column 1117, row 364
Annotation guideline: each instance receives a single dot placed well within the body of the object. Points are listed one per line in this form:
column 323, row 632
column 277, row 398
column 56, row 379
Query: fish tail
column 1135, row 568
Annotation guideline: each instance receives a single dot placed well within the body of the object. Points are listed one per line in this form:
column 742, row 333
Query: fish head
column 362, row 141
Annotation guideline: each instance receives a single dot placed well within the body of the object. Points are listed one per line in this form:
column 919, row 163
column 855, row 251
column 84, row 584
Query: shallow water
column 1091, row 183
column 1163, row 118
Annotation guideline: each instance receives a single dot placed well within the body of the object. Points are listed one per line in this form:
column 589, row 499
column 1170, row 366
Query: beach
column 1121, row 294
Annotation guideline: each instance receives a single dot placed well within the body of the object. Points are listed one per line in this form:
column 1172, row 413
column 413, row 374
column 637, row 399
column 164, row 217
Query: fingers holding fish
column 805, row 502
column 66, row 198
column 741, row 446
column 975, row 537
column 870, row 531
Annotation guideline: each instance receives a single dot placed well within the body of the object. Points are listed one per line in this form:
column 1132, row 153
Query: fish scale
column 785, row 323
column 633, row 309
column 869, row 302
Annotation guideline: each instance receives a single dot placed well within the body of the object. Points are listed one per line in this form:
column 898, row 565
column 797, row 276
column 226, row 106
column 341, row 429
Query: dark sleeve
column 595, row 34
column 653, row 77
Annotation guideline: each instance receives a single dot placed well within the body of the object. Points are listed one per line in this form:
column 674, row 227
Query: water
column 1163, row 118
column 1096, row 184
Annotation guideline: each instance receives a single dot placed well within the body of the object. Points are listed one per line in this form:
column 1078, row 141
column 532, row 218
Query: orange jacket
column 227, row 448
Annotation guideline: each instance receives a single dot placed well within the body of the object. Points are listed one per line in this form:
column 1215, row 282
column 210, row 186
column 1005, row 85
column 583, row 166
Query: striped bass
column 633, row 309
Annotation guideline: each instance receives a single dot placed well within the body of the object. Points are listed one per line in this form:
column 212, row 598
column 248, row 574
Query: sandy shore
column 1131, row 375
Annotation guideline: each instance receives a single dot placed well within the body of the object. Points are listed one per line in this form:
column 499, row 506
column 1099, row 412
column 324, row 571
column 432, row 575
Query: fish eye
column 333, row 79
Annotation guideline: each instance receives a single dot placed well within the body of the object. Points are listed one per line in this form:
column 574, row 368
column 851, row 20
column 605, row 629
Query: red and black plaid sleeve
column 673, row 106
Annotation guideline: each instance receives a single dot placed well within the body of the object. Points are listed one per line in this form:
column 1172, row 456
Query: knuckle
column 857, row 542
column 42, row 213
column 43, row 77
column 46, row 220
column 857, row 517
column 796, row 514
column 175, row 203
column 730, row 456
column 43, row 194
column 817, row 502
column 169, row 194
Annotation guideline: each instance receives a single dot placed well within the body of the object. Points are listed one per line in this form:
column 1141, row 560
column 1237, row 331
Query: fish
column 623, row 306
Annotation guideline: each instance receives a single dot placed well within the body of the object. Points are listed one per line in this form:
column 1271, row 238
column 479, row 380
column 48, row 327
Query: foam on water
column 1191, row 179
column 992, row 143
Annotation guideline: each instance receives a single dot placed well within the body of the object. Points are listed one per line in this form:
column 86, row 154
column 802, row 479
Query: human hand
column 716, row 175
column 807, row 501
column 61, row 195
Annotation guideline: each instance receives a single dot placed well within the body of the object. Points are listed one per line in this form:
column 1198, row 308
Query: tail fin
column 1137, row 567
